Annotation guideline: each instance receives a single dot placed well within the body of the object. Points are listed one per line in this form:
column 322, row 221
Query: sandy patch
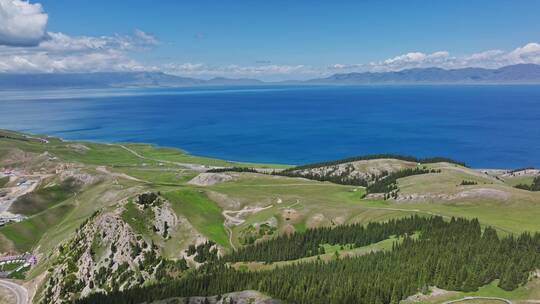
column 316, row 220
column 208, row 179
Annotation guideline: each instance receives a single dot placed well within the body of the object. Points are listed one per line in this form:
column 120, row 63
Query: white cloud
column 21, row 23
column 25, row 46
column 64, row 53
column 145, row 38
column 530, row 53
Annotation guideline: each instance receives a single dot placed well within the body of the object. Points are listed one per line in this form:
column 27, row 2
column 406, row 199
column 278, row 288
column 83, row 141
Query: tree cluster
column 453, row 255
column 299, row 245
column 427, row 160
column 344, row 178
column 147, row 198
column 232, row 169
column 388, row 184
column 535, row 186
column 204, row 252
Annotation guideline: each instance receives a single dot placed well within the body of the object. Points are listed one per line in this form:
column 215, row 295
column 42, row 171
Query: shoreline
column 44, row 138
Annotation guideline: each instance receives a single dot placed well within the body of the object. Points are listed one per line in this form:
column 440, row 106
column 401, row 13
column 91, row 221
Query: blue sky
column 299, row 39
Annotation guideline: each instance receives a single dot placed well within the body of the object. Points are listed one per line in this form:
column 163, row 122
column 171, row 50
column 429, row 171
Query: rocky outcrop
column 164, row 219
column 241, row 297
column 103, row 255
column 360, row 172
column 486, row 193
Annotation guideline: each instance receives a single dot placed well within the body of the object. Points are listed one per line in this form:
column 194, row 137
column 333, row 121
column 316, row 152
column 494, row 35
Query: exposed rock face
column 522, row 172
column 241, row 297
column 487, row 193
column 208, row 179
column 103, row 255
column 112, row 251
column 363, row 170
column 164, row 219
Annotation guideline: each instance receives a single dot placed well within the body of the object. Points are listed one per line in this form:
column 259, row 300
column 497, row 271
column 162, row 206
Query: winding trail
column 21, row 294
column 103, row 169
column 478, row 298
column 231, row 220
column 195, row 167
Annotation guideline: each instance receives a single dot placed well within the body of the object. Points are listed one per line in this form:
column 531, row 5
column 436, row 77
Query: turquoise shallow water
column 485, row 126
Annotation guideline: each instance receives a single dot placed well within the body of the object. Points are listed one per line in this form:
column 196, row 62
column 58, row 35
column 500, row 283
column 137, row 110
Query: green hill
column 74, row 181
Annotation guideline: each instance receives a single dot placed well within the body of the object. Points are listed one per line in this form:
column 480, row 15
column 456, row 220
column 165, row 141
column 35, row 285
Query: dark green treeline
column 298, row 245
column 454, row 255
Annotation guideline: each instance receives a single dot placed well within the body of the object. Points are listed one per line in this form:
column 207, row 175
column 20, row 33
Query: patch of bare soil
column 208, row 179
column 7, row 296
column 316, row 220
column 233, row 218
column 104, row 169
column 223, row 200
column 79, row 148
column 290, row 214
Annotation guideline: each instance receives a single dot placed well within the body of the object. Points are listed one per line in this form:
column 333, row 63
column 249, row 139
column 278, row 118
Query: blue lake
column 485, row 126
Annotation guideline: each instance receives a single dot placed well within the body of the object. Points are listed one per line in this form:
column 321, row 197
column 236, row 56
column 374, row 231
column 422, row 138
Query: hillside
column 109, row 217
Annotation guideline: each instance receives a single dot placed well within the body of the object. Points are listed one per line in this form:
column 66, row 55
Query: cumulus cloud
column 26, row 46
column 145, row 39
column 64, row 53
column 529, row 53
column 21, row 23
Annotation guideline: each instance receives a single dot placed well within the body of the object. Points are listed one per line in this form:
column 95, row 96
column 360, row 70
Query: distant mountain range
column 520, row 73
column 110, row 80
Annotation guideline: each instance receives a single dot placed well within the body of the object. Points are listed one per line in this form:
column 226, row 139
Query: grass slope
column 44, row 198
column 3, row 181
column 27, row 233
column 204, row 214
column 177, row 155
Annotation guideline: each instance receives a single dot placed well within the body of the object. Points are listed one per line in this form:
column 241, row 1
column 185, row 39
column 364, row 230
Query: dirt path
column 21, row 294
column 104, row 169
column 479, row 298
column 235, row 220
column 195, row 167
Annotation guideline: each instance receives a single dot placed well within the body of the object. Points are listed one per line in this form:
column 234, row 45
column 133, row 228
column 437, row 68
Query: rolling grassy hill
column 225, row 211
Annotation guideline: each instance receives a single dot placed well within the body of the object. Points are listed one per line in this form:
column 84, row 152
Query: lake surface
column 485, row 126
